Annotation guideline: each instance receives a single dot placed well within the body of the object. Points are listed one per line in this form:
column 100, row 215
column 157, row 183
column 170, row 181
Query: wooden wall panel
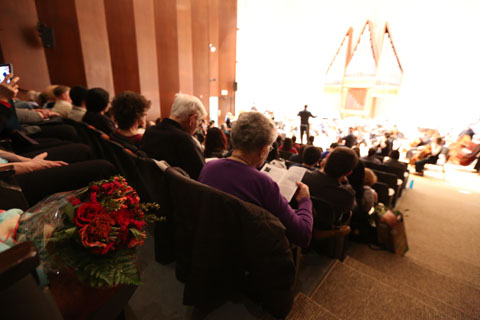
column 147, row 54
column 213, row 25
column 123, row 44
column 185, row 56
column 227, row 47
column 94, row 43
column 167, row 52
column 201, row 84
column 21, row 45
column 65, row 62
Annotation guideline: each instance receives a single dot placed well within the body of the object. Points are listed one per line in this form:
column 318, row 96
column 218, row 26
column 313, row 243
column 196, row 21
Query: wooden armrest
column 17, row 262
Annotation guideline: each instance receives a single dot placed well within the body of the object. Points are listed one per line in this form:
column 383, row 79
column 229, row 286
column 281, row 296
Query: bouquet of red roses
column 92, row 231
column 107, row 217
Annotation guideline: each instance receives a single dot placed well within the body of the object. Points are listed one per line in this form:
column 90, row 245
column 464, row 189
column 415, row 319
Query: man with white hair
column 172, row 139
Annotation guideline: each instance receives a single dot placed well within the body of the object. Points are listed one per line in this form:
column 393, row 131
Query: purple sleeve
column 299, row 224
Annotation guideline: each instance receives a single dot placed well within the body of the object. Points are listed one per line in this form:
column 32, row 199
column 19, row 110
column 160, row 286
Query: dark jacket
column 99, row 121
column 167, row 141
column 219, row 239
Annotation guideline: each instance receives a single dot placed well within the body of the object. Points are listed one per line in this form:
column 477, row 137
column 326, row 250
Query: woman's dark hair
column 97, row 100
column 78, row 94
column 128, row 107
column 215, row 141
column 287, row 144
column 273, row 154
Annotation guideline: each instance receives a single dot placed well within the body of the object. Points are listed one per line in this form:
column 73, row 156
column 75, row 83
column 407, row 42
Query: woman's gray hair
column 185, row 105
column 252, row 131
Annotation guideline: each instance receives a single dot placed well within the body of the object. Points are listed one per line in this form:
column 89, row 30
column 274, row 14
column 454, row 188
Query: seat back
column 220, row 238
column 382, row 192
column 391, row 180
column 372, row 165
column 285, row 154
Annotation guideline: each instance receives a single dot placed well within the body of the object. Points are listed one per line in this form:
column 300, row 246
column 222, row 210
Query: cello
column 463, row 151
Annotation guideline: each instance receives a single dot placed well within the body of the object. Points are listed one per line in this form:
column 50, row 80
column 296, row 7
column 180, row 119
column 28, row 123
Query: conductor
column 304, row 125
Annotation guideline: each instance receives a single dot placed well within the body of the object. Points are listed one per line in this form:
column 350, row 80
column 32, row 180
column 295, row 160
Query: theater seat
column 219, row 239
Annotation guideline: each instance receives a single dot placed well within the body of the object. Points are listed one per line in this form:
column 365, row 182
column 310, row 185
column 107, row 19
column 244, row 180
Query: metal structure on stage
column 365, row 79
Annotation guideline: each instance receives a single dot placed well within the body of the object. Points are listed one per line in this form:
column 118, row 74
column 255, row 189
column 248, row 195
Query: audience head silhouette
column 372, row 152
column 62, row 93
column 129, row 109
column 370, row 178
column 188, row 111
column 394, row 154
column 340, row 162
column 215, row 142
column 78, row 94
column 97, row 100
column 311, row 155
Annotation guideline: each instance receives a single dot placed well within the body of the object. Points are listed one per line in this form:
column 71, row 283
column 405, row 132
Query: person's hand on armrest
column 35, row 164
column 46, row 114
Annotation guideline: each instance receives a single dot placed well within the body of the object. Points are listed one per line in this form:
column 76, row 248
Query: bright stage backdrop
column 285, row 46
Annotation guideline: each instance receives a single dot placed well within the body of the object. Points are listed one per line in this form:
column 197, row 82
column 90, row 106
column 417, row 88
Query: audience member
column 310, row 140
column 78, row 94
column 63, row 103
column 288, row 146
column 172, row 139
column 370, row 197
column 393, row 160
column 330, row 149
column 295, row 144
column 129, row 110
column 310, row 157
column 216, row 145
column 357, row 177
column 330, row 183
column 252, row 136
column 97, row 102
column 371, row 157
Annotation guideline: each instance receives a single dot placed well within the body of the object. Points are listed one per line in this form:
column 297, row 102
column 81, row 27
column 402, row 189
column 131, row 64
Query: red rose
column 87, row 212
column 75, row 201
column 97, row 234
column 94, row 188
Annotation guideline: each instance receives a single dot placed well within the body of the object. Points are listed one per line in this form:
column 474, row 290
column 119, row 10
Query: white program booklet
column 286, row 179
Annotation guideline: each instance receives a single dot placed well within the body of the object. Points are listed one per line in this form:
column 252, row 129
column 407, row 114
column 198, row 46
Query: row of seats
column 247, row 253
column 390, row 184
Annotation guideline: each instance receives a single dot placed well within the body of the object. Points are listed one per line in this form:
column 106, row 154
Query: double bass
column 463, row 151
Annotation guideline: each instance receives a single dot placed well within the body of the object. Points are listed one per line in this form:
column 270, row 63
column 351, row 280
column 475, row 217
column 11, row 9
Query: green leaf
column 69, row 211
column 70, row 232
column 136, row 233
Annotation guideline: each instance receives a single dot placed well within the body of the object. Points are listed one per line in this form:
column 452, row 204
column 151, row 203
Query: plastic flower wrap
column 92, row 230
